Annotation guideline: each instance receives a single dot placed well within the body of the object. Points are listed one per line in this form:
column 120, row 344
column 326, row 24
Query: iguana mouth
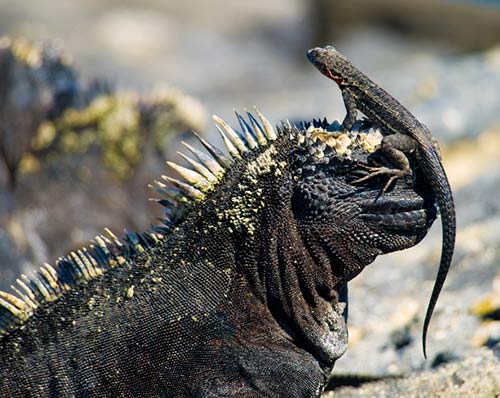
column 388, row 205
column 395, row 213
column 413, row 218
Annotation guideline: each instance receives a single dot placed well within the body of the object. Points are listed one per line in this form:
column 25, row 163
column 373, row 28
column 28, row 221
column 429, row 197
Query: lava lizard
column 408, row 135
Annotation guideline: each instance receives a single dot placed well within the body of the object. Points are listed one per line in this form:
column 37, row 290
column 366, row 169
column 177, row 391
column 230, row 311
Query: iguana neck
column 285, row 276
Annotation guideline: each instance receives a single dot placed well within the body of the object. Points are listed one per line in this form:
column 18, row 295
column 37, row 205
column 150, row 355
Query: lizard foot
column 379, row 171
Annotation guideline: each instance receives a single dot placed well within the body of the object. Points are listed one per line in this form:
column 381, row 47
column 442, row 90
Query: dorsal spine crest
column 108, row 251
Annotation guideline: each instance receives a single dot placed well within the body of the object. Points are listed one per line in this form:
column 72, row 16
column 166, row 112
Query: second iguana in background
column 240, row 293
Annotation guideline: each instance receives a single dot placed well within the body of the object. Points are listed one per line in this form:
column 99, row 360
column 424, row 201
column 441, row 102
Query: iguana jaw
column 395, row 215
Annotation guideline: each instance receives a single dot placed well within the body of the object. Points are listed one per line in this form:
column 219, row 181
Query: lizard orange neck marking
column 335, row 78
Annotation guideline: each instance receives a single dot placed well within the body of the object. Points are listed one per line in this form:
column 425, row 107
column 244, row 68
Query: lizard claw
column 379, row 171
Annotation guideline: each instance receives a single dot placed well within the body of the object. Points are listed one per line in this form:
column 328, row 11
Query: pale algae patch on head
column 344, row 143
column 370, row 141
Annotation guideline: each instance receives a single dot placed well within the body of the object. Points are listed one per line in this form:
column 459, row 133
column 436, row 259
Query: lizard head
column 353, row 222
column 330, row 63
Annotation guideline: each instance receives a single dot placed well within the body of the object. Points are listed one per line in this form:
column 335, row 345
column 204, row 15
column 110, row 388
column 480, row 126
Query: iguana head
column 306, row 173
column 354, row 222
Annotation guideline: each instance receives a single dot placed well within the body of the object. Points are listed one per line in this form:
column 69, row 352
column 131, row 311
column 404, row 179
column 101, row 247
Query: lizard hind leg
column 394, row 148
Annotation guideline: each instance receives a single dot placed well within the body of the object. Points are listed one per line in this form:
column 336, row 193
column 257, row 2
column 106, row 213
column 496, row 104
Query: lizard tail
column 447, row 210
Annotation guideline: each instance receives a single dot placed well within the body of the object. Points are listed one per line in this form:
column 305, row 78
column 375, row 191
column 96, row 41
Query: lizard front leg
column 394, row 148
column 351, row 110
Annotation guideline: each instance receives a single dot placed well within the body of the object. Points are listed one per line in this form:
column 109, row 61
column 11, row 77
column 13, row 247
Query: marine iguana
column 241, row 292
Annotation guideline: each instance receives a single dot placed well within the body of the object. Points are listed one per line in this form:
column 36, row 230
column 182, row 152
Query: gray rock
column 477, row 376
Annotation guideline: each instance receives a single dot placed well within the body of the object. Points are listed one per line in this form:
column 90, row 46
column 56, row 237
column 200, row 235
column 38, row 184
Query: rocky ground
column 476, row 376
column 229, row 56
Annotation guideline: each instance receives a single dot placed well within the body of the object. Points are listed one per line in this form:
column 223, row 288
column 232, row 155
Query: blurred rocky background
column 95, row 95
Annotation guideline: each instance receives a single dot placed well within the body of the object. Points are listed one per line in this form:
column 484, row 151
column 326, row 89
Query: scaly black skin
column 217, row 310
column 408, row 135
